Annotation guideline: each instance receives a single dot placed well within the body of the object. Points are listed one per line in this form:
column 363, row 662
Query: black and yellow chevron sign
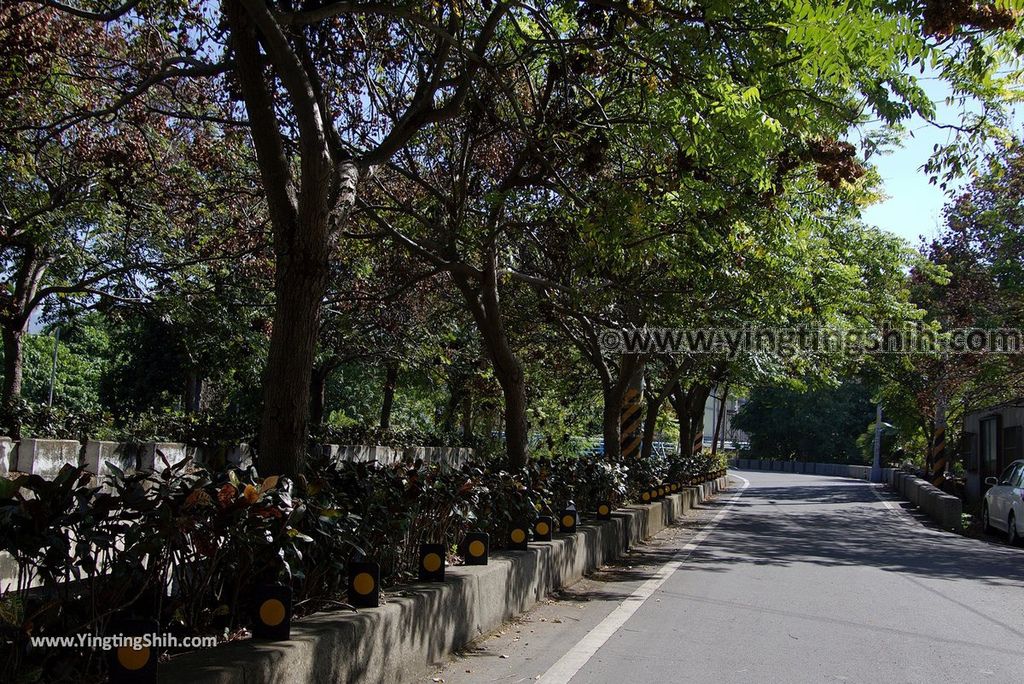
column 938, row 456
column 630, row 433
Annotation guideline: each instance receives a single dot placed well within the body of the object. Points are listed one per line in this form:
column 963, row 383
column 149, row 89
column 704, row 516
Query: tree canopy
column 285, row 205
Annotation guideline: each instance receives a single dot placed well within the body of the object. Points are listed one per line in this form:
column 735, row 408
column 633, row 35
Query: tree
column 810, row 425
column 93, row 207
column 333, row 91
column 970, row 276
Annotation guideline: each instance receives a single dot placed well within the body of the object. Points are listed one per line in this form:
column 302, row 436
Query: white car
column 1004, row 502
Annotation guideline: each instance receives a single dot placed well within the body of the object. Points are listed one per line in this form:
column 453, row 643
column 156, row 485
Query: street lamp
column 53, row 367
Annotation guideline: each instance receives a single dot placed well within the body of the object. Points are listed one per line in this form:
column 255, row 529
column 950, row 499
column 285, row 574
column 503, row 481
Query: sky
column 913, row 207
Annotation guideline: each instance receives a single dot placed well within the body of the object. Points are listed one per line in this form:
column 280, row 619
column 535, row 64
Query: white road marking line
column 898, row 510
column 580, row 654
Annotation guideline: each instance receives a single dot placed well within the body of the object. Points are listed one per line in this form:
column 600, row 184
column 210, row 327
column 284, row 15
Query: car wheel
column 1012, row 535
column 985, row 524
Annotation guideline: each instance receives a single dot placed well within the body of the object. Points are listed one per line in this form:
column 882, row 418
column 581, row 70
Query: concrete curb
column 421, row 624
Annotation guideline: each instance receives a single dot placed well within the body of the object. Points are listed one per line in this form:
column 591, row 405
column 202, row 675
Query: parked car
column 1004, row 502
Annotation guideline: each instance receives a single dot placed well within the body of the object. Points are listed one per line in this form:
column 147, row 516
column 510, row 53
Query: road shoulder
column 525, row 648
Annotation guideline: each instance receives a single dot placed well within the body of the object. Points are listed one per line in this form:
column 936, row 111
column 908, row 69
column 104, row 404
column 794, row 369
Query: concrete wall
column 161, row 455
column 45, row 457
column 451, row 456
column 8, row 455
column 858, row 472
column 420, row 625
column 98, row 454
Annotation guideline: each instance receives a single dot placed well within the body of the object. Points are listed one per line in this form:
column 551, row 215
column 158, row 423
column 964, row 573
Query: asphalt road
column 797, row 578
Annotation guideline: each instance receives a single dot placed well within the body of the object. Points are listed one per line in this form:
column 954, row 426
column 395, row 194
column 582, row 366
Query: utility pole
column 937, row 458
column 876, row 466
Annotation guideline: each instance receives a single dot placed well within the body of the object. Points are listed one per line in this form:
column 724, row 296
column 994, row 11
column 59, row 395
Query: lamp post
column 53, row 368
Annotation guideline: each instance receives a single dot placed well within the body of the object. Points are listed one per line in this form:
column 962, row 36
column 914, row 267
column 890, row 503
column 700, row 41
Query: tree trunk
column 318, row 395
column 679, row 404
column 467, row 415
column 656, row 397
column 193, row 392
column 14, row 326
column 614, row 394
column 302, row 212
column 698, row 399
column 513, row 386
column 650, row 424
column 484, row 304
column 389, row 395
column 284, row 430
column 689, row 407
column 13, row 365
column 720, row 419
column 13, row 372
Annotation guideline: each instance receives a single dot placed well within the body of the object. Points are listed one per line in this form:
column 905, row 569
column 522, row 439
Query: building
column 992, row 438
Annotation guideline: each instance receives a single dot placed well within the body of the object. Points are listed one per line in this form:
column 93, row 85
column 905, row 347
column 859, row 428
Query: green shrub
column 184, row 546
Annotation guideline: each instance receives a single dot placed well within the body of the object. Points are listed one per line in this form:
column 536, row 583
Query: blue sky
column 914, row 207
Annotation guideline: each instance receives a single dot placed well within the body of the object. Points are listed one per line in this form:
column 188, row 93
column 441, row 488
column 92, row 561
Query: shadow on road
column 838, row 523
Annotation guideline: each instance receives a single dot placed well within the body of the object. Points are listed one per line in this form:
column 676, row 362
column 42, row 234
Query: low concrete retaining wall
column 421, row 624
column 945, row 509
column 831, row 469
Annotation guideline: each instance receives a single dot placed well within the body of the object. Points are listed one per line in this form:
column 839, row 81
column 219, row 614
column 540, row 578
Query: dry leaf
column 250, row 494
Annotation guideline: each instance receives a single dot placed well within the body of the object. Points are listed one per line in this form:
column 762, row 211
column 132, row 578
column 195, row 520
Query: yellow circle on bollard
column 647, row 496
column 431, row 562
column 476, row 548
column 272, row 612
column 518, row 536
column 363, row 583
column 542, row 528
column 602, row 509
column 131, row 658
column 568, row 521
